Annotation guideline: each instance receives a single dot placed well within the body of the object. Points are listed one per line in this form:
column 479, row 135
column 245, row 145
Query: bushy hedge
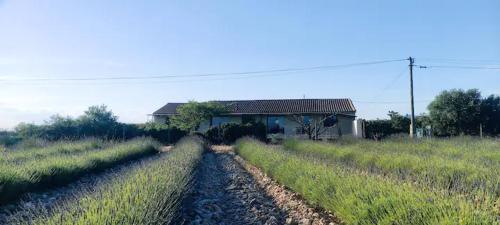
column 117, row 131
column 229, row 133
column 161, row 132
column 8, row 138
column 378, row 129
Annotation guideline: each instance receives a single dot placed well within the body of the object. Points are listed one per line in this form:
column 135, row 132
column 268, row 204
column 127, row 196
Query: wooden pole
column 412, row 102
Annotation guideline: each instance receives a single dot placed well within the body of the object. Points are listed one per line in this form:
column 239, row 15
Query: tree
column 399, row 123
column 190, row 115
column 490, row 115
column 59, row 127
column 304, row 125
column 8, row 138
column 28, row 130
column 423, row 120
column 456, row 112
column 315, row 126
column 98, row 121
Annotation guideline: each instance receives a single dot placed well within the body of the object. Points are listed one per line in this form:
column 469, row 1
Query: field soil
column 227, row 193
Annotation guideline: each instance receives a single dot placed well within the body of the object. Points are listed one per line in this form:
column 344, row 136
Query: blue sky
column 93, row 38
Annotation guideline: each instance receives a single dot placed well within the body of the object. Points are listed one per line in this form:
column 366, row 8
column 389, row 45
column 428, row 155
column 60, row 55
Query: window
column 330, row 121
column 307, row 120
column 275, row 124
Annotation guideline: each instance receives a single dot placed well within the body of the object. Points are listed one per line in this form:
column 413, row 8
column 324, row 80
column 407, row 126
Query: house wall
column 160, row 119
column 345, row 124
column 343, row 127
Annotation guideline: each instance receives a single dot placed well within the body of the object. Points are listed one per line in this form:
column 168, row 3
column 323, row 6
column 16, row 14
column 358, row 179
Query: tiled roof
column 279, row 106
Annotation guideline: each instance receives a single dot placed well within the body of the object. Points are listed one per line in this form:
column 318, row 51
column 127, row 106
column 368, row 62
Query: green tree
column 28, row 130
column 399, row 123
column 190, row 115
column 490, row 115
column 423, row 120
column 456, row 112
column 60, row 127
column 98, row 121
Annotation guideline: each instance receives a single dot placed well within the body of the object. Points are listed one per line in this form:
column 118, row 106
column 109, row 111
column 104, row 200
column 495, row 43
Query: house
column 321, row 118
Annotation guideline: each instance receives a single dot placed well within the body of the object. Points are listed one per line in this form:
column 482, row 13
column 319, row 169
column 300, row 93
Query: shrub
column 162, row 132
column 229, row 133
column 8, row 138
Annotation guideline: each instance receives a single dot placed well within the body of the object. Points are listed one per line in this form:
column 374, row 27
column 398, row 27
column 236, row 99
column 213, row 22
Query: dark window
column 307, row 120
column 276, row 124
column 330, row 121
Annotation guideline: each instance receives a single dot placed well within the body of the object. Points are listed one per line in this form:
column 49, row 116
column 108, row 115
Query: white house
column 328, row 118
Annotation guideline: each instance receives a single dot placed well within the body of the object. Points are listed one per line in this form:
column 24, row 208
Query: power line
column 330, row 67
column 463, row 67
column 391, row 83
column 125, row 82
column 461, row 61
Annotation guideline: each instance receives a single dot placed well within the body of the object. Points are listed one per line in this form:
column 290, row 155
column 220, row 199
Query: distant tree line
column 8, row 138
column 99, row 122
column 96, row 122
column 451, row 113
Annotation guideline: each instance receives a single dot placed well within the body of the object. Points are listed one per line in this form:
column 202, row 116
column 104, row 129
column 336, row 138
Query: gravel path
column 226, row 194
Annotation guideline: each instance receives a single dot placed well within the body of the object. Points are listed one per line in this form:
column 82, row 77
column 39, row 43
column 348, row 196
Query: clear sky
column 95, row 38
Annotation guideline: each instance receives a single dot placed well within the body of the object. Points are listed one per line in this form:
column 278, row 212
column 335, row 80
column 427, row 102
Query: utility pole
column 412, row 102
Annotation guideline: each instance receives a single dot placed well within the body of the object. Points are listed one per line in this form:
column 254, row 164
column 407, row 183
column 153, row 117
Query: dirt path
column 226, row 194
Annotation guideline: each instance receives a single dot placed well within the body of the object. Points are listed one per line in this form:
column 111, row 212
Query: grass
column 361, row 197
column 63, row 147
column 34, row 170
column 150, row 193
column 459, row 166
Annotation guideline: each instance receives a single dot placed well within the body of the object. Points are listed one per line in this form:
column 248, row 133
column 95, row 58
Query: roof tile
column 278, row 106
